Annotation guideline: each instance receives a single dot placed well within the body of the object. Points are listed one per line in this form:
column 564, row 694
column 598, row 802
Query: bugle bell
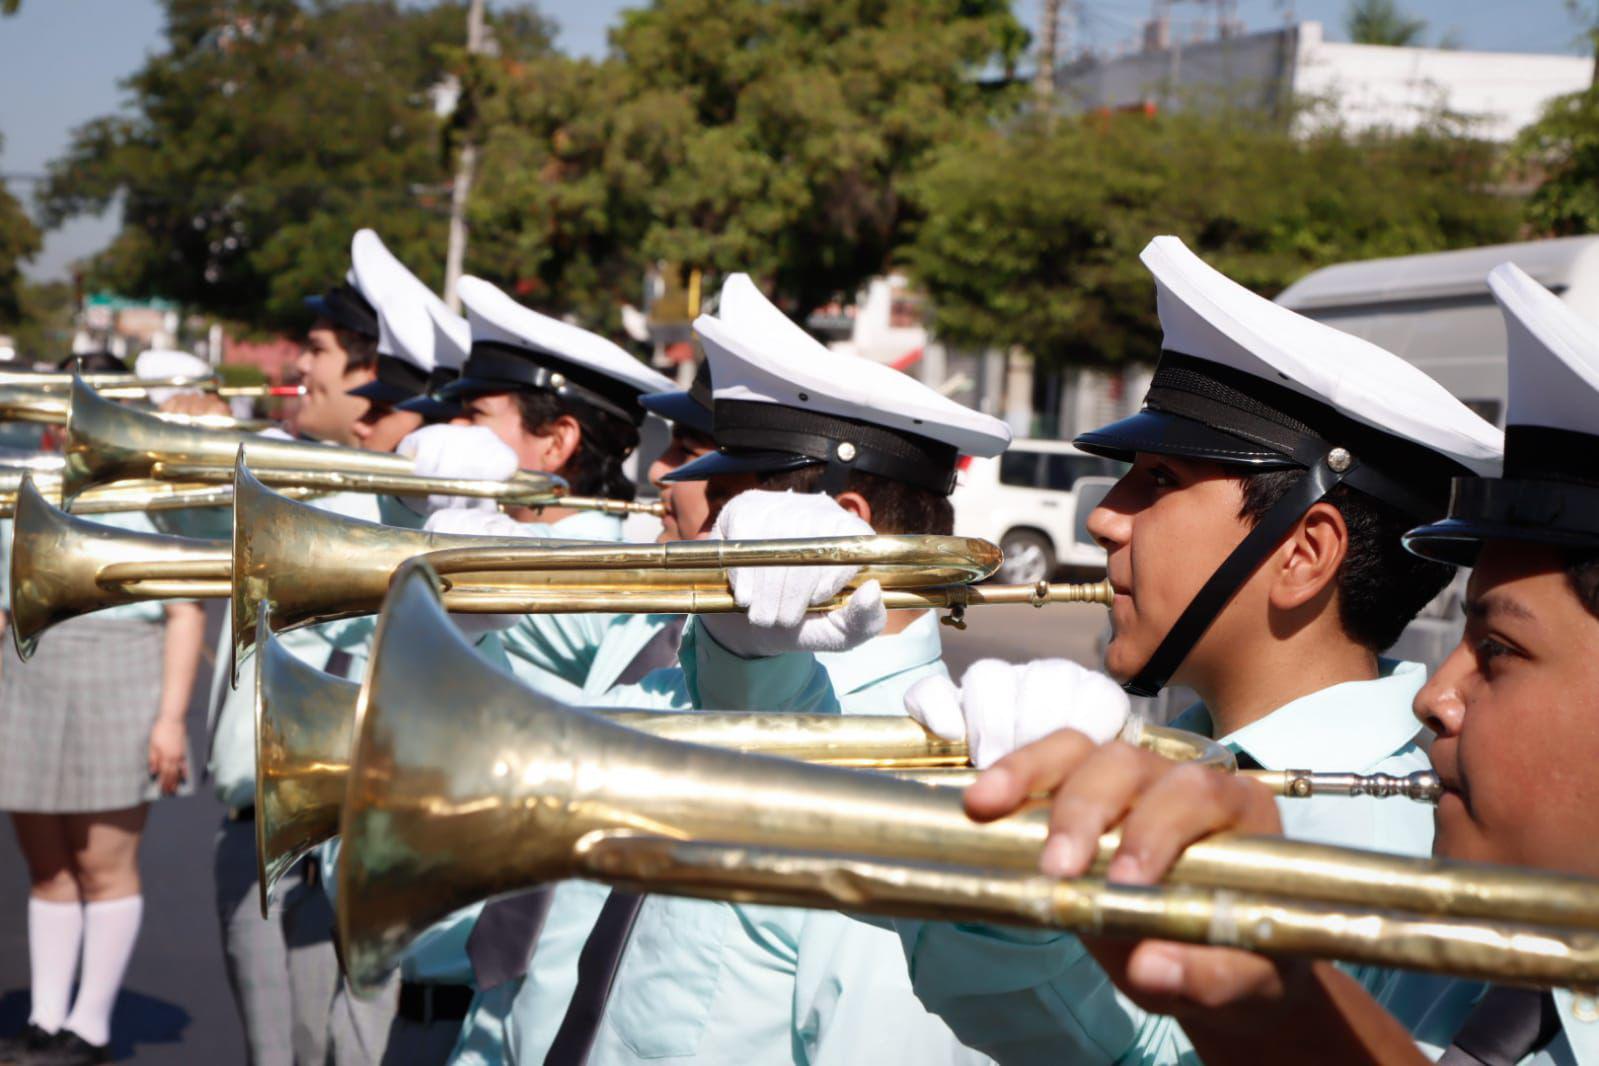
column 445, row 808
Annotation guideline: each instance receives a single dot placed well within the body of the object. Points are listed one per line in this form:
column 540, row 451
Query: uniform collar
column 1348, row 726
column 881, row 657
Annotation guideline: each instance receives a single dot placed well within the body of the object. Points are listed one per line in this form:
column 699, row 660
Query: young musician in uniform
column 1255, row 549
column 809, row 443
column 1514, row 714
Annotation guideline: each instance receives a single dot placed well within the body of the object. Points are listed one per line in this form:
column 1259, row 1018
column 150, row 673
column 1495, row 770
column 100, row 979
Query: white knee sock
column 55, row 932
column 109, row 930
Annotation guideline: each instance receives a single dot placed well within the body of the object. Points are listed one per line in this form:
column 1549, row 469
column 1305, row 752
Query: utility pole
column 1048, row 42
column 465, row 171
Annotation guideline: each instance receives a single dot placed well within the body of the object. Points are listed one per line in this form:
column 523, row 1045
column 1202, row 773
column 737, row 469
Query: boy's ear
column 1309, row 559
column 856, row 504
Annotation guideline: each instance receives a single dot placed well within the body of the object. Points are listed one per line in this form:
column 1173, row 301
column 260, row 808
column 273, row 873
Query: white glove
column 464, row 452
column 1002, row 706
column 776, row 599
column 477, row 523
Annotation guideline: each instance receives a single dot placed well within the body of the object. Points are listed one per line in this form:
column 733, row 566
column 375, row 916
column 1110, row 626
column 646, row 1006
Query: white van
column 1028, row 501
column 1436, row 312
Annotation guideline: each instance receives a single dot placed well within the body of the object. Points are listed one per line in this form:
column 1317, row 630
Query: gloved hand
column 776, row 599
column 477, row 523
column 1002, row 706
column 467, row 452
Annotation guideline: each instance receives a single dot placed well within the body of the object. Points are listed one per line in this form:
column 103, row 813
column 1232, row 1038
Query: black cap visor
column 382, row 392
column 681, row 408
column 1556, row 514
column 1163, row 433
column 724, row 464
column 431, row 409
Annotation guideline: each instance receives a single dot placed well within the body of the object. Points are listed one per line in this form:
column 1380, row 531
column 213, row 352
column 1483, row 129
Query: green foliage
column 44, row 331
column 19, row 240
column 1382, row 22
column 265, row 134
column 1561, row 152
column 1032, row 233
column 776, row 138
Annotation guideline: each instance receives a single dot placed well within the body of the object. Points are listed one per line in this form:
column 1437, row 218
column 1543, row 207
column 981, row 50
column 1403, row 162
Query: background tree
column 1560, row 154
column 776, row 138
column 1382, row 22
column 1032, row 233
column 19, row 240
column 264, row 135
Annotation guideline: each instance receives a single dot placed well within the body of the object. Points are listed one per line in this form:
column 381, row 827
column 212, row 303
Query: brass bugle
column 455, row 796
column 304, row 719
column 64, row 566
column 61, row 381
column 109, row 441
column 311, row 567
column 51, row 409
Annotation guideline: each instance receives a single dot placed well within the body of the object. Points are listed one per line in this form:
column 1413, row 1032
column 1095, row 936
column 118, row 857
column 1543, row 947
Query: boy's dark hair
column 360, row 350
column 95, row 363
column 1381, row 586
column 595, row 469
column 1583, row 570
column 896, row 506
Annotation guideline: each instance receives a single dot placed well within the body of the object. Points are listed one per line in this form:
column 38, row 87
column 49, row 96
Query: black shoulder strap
column 1269, row 532
column 596, row 973
column 1507, row 1025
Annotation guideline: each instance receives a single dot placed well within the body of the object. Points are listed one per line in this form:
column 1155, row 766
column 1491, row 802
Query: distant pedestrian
column 91, row 732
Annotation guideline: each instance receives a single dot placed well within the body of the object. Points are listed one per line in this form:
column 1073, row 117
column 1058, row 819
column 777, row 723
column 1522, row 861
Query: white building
column 1365, row 86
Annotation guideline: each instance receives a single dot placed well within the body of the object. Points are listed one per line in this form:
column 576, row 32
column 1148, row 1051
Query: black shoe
column 66, row 1048
column 14, row 1050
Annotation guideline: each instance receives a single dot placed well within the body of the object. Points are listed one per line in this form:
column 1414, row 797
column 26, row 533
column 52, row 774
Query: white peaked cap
column 1554, row 356
column 160, row 363
column 1208, row 316
column 452, row 336
column 495, row 317
column 758, row 354
column 403, row 302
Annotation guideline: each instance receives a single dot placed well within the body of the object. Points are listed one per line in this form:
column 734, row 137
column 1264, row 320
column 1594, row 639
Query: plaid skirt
column 75, row 719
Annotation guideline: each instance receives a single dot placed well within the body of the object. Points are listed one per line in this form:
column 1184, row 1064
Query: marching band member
column 560, row 400
column 1513, row 714
column 633, row 645
column 283, row 971
column 92, row 731
column 809, row 443
column 1255, row 548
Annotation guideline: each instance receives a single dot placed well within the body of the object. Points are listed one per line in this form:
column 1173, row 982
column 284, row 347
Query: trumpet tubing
column 304, row 720
column 62, row 381
column 445, row 809
column 58, row 563
column 107, row 441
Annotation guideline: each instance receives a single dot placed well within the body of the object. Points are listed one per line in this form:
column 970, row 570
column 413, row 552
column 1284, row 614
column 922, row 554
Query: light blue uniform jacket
column 552, row 653
column 1029, row 996
column 1434, row 1008
column 721, row 983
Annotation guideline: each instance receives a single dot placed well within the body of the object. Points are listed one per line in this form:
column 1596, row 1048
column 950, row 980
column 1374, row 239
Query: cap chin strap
column 1322, row 477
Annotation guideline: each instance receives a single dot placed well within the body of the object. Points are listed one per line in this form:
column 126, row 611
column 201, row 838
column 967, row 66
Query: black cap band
column 401, row 374
column 1540, row 453
column 346, row 308
column 843, row 443
column 515, row 367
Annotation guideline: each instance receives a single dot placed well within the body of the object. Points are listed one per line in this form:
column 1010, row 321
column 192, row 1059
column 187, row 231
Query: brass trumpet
column 51, row 408
column 443, row 809
column 108, row 441
column 304, row 720
column 61, row 381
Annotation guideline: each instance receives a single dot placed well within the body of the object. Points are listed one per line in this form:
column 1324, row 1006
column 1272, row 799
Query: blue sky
column 61, row 60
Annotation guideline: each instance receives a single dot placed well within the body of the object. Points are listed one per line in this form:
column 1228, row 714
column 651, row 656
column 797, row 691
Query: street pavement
column 175, row 1007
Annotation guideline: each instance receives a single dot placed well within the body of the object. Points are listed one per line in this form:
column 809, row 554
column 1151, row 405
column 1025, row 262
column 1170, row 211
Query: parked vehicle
column 1028, row 501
